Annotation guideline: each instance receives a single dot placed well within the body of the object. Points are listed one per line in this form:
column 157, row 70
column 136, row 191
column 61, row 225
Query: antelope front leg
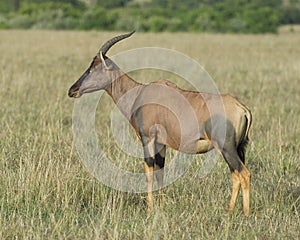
column 149, row 152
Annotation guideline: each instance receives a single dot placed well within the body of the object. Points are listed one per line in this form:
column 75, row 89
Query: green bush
column 157, row 23
column 112, row 3
column 98, row 18
column 237, row 25
column 5, row 6
column 3, row 22
column 128, row 23
column 48, row 15
column 67, row 9
column 175, row 24
column 20, row 22
column 291, row 15
column 261, row 20
column 53, row 19
column 237, row 16
column 202, row 23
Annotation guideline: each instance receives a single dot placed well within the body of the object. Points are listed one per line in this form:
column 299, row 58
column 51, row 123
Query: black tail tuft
column 241, row 149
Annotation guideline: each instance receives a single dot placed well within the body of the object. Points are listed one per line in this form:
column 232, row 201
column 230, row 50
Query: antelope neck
column 124, row 91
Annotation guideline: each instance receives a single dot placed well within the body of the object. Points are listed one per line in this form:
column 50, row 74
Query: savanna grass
column 46, row 193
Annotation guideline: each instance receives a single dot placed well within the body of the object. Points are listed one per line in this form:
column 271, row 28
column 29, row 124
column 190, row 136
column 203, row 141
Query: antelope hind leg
column 239, row 179
column 160, row 153
column 244, row 177
column 236, row 184
column 149, row 175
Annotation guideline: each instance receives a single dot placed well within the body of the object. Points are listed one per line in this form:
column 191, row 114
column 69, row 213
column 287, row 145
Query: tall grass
column 46, row 193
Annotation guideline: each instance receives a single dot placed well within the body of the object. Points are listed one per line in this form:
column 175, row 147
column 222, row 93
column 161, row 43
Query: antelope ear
column 102, row 59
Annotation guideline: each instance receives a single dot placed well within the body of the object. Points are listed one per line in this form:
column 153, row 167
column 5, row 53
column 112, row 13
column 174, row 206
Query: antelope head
column 100, row 73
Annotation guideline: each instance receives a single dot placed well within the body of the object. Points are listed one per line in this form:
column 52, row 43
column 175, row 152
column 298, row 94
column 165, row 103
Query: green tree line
column 237, row 16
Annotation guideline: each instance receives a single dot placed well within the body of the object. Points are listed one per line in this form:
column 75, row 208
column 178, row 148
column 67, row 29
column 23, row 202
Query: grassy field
column 45, row 191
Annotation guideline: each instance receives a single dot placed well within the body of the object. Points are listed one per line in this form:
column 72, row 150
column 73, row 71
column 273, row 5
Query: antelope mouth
column 74, row 93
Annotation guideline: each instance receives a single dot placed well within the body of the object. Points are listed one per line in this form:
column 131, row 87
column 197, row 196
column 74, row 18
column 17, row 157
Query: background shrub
column 237, row 16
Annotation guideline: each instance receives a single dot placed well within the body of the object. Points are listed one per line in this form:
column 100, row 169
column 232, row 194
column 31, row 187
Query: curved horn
column 106, row 46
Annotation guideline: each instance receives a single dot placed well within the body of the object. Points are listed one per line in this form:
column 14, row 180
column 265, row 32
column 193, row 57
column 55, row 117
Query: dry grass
column 46, row 192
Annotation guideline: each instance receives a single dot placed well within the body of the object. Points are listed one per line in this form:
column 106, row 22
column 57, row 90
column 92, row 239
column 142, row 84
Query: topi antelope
column 163, row 115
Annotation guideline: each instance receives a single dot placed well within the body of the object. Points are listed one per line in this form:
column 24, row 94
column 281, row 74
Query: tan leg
column 236, row 184
column 244, row 176
column 149, row 175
